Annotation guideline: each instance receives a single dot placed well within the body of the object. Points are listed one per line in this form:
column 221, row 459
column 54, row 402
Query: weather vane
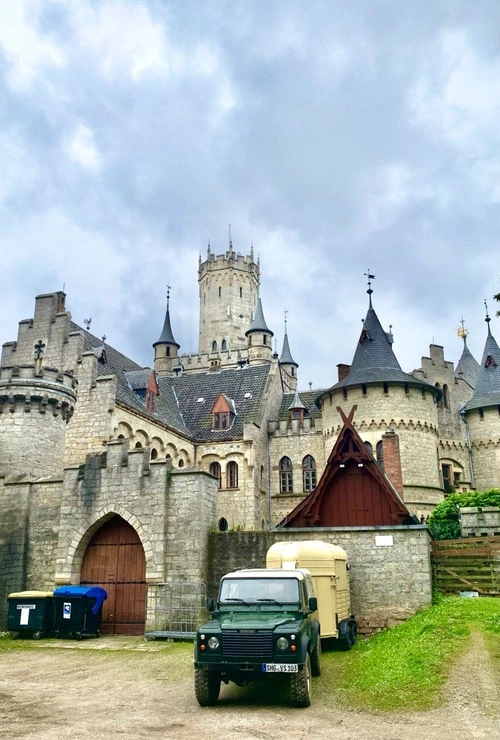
column 370, row 278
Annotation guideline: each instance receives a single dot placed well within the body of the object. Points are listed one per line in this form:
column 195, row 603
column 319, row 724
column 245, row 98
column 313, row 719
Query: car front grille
column 247, row 645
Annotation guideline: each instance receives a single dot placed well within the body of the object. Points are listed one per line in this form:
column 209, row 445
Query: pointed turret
column 374, row 360
column 468, row 367
column 166, row 348
column 487, row 388
column 259, row 336
column 297, row 408
column 287, row 364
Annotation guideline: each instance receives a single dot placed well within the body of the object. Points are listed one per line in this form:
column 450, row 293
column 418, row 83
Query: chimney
column 392, row 460
column 343, row 371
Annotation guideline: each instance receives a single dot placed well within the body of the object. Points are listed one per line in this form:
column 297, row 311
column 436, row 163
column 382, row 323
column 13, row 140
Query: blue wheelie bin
column 78, row 610
column 30, row 613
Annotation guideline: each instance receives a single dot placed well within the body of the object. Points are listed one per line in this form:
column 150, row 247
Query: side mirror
column 210, row 604
column 313, row 603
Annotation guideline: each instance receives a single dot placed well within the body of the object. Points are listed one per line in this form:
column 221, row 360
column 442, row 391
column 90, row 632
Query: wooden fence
column 467, row 565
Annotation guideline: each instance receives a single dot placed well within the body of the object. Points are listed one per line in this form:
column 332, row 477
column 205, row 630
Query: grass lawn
column 405, row 667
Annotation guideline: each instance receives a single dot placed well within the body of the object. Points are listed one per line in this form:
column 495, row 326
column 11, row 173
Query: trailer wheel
column 353, row 630
column 206, row 687
column 36, row 635
column 300, row 685
column 316, row 658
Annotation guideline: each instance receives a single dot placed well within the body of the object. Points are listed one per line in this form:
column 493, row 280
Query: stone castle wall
column 294, row 440
column 390, row 577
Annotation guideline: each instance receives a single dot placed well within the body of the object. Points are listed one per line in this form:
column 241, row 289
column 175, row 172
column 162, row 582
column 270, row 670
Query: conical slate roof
column 296, row 403
column 468, row 367
column 286, row 356
column 166, row 336
column 259, row 322
column 374, row 360
column 487, row 390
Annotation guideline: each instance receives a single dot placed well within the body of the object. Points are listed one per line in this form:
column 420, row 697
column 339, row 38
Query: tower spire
column 369, row 291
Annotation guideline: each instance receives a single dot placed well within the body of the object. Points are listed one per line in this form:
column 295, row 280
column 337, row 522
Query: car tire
column 300, row 685
column 206, row 687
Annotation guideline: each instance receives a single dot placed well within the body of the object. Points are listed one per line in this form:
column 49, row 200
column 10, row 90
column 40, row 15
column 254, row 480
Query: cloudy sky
column 336, row 135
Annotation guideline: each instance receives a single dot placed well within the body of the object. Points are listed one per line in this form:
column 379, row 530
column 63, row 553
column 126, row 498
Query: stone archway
column 114, row 559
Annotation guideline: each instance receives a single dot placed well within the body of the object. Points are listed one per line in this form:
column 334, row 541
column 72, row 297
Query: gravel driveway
column 127, row 688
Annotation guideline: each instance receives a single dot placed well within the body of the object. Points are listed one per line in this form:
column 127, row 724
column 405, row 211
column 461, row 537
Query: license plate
column 280, row 668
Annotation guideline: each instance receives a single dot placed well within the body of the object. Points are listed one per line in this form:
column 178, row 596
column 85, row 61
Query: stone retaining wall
column 390, row 566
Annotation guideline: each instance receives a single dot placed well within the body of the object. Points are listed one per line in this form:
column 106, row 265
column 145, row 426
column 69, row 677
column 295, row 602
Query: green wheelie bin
column 30, row 613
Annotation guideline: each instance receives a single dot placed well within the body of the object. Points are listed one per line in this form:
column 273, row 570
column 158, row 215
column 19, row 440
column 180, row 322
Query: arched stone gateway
column 114, row 559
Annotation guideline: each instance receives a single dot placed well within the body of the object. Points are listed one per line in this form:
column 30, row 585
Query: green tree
column 444, row 521
column 497, row 298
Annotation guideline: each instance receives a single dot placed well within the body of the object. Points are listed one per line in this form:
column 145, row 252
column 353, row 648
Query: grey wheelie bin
column 30, row 613
column 78, row 610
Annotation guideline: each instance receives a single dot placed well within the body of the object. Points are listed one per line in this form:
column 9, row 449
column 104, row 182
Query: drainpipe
column 269, row 477
column 469, row 448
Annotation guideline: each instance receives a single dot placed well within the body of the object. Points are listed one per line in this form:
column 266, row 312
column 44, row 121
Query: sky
column 336, row 136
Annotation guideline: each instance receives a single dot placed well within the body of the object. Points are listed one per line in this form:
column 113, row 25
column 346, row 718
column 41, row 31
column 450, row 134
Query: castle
column 102, row 459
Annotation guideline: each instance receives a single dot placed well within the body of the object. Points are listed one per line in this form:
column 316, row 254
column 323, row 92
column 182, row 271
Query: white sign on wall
column 384, row 540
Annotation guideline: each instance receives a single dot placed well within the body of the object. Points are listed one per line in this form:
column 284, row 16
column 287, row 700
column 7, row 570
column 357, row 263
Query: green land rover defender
column 265, row 622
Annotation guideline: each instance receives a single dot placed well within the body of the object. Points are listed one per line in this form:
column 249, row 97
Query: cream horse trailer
column 329, row 570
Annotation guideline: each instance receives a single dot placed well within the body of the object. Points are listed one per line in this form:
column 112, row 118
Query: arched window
column 138, row 445
column 214, row 346
column 446, row 397
column 440, row 402
column 181, row 463
column 222, row 525
column 224, row 344
column 380, row 454
column 369, row 447
column 232, row 475
column 154, row 453
column 286, row 475
column 121, row 436
column 309, row 473
column 215, row 470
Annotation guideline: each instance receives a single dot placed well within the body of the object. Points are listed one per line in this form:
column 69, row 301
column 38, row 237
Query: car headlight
column 213, row 642
column 282, row 643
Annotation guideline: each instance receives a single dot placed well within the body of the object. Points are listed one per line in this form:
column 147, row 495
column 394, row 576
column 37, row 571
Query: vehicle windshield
column 260, row 590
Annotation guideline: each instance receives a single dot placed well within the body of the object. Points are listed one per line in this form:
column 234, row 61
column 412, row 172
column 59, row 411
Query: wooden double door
column 114, row 559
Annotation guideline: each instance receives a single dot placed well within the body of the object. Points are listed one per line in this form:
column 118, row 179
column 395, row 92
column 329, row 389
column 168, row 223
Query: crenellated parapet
column 36, row 404
column 27, row 388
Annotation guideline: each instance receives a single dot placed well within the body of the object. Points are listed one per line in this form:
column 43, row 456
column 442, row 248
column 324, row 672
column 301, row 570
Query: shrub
column 444, row 522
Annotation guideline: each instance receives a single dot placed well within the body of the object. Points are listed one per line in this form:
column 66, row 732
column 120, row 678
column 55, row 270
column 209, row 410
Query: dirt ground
column 139, row 690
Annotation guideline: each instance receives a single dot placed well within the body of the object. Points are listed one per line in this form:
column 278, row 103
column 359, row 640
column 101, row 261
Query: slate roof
column 131, row 379
column 259, row 322
column 468, row 367
column 487, row 390
column 177, row 404
column 244, row 386
column 286, row 356
column 308, row 399
column 166, row 336
column 374, row 360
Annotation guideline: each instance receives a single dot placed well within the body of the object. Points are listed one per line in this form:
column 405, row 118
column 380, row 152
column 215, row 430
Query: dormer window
column 223, row 413
column 490, row 362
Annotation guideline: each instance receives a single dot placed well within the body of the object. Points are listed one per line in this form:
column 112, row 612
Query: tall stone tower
column 228, row 299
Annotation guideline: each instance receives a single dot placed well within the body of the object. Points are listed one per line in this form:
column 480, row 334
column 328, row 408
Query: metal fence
column 176, row 610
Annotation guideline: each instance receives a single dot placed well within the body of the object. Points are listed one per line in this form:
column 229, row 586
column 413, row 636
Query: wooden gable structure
column 352, row 492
